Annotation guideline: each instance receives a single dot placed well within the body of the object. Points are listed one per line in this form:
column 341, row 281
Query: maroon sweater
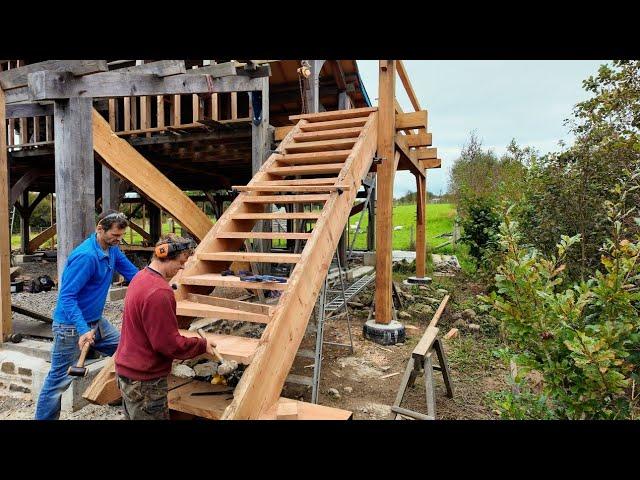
column 149, row 339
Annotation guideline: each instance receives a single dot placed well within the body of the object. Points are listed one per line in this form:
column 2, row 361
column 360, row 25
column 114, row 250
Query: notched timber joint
column 378, row 160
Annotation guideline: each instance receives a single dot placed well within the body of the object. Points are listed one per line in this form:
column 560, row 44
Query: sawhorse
column 421, row 362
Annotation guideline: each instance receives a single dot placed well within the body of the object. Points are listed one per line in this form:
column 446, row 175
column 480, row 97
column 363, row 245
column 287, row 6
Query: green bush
column 480, row 222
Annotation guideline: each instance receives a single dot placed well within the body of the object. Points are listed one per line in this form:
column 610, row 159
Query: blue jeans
column 65, row 352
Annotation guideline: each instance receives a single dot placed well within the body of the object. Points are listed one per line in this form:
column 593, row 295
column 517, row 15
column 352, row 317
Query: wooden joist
column 229, row 281
column 282, row 199
column 316, row 169
column 334, row 124
column 409, row 121
column 18, row 77
column 419, row 140
column 188, row 308
column 314, row 157
column 321, row 145
column 249, row 257
column 431, row 163
column 425, row 153
column 45, row 235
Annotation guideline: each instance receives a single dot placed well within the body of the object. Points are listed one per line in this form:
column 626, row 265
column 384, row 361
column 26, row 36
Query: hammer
column 80, row 370
column 226, row 366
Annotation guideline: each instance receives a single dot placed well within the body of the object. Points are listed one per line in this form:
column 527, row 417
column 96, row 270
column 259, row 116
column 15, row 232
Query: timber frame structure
column 90, row 130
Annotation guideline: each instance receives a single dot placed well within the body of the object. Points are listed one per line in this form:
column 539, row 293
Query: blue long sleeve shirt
column 85, row 283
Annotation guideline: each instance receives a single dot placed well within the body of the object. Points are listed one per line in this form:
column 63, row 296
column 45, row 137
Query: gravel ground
column 15, row 409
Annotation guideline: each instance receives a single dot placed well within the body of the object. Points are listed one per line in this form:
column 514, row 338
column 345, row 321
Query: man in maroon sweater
column 149, row 339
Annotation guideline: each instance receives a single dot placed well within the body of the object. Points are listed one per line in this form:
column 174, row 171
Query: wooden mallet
column 226, row 366
column 79, row 370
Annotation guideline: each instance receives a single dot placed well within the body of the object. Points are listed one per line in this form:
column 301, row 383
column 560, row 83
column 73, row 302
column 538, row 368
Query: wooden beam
column 18, row 77
column 386, row 173
column 233, row 304
column 23, row 183
column 161, row 68
column 425, row 153
column 418, row 140
column 421, row 201
column 104, row 388
column 413, row 164
column 6, row 325
column 431, row 163
column 125, row 160
column 408, row 121
column 51, row 86
column 281, row 132
column 404, row 78
column 74, row 172
column 21, row 110
column 45, row 235
column 338, row 75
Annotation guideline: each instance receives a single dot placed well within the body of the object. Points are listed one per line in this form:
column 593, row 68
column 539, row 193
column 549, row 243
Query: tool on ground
column 201, row 394
column 263, row 278
column 226, row 366
column 79, row 370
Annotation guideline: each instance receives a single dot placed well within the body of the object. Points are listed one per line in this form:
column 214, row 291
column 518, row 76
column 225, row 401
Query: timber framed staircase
column 329, row 154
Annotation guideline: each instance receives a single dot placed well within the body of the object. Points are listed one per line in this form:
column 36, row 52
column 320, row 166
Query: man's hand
column 90, row 337
column 210, row 346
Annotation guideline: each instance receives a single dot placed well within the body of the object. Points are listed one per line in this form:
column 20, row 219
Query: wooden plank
column 231, row 347
column 316, row 169
column 281, row 199
column 138, row 229
column 160, row 68
column 418, row 140
column 125, row 160
column 287, row 410
column 334, row 124
column 408, row 121
column 425, row 153
column 229, row 281
column 431, row 163
column 334, row 115
column 328, row 134
column 232, row 304
column 188, row 308
column 453, row 333
column 205, row 406
column 425, row 343
column 104, row 388
column 278, row 215
column 308, row 411
column 45, row 235
column 291, row 188
column 249, row 257
column 160, row 111
column 441, row 307
column 18, row 77
column 6, row 325
column 384, row 186
column 261, row 383
column 315, row 157
column 281, row 132
column 176, row 109
column 321, row 146
column 267, row 235
column 51, row 85
column 299, row 181
column 218, row 70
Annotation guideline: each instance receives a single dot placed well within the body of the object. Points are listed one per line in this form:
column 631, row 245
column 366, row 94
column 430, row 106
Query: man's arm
column 124, row 266
column 76, row 274
column 161, row 326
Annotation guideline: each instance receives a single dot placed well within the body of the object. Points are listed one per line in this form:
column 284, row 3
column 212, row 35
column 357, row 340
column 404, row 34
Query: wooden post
column 386, row 173
column 371, row 227
column 155, row 223
column 312, row 93
column 25, row 215
column 421, row 197
column 343, row 104
column 110, row 190
column 75, row 195
column 260, row 145
column 6, row 326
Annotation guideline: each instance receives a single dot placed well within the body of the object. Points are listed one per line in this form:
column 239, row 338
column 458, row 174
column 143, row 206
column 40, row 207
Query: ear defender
column 165, row 249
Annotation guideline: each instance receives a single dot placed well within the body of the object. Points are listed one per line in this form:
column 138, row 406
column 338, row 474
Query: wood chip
column 411, row 327
column 453, row 333
column 382, row 348
column 389, row 375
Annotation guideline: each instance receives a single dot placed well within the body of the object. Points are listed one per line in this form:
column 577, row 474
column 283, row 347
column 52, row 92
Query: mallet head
column 75, row 371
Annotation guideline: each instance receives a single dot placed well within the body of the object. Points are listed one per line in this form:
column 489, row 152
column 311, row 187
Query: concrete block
column 117, row 293
column 24, row 371
column 26, row 258
column 32, row 348
column 18, row 388
column 8, row 367
column 369, row 259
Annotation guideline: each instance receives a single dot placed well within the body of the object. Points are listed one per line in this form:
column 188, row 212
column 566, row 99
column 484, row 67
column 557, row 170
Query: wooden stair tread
column 353, row 132
column 309, row 411
column 285, row 198
column 229, row 281
column 334, row 124
column 335, row 114
column 209, row 406
column 188, row 308
column 321, row 145
column 299, row 181
column 307, row 169
column 266, row 257
column 278, row 216
column 331, row 156
column 291, row 188
column 267, row 235
column 231, row 347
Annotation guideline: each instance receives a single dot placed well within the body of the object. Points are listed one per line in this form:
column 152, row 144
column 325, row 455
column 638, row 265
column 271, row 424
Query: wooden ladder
column 328, row 154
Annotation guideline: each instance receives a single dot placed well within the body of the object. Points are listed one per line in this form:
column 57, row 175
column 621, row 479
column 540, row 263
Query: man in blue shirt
column 77, row 318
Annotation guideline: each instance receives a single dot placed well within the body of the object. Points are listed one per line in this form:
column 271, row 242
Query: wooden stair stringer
column 262, row 382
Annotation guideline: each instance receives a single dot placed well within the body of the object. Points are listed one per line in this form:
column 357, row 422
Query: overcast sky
column 501, row 99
